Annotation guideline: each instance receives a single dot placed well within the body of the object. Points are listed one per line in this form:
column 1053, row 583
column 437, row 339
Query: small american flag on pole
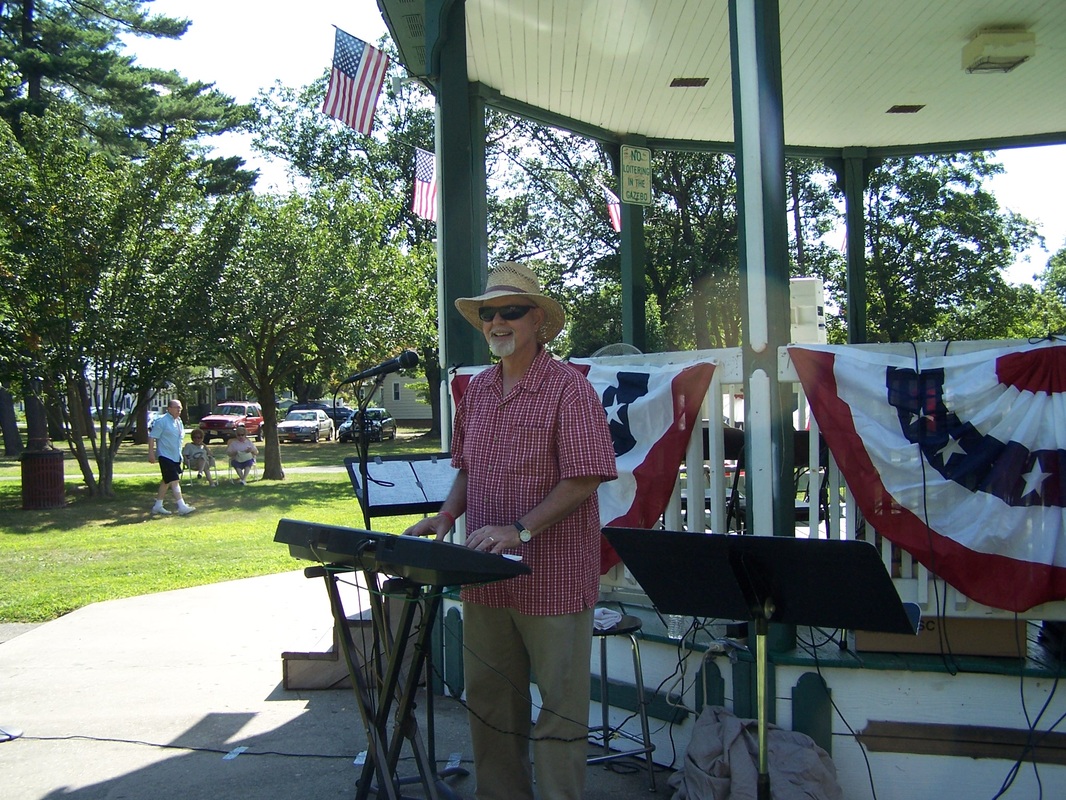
column 614, row 209
column 424, row 203
column 355, row 82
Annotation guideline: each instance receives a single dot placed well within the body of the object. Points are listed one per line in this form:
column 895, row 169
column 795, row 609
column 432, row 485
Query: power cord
column 840, row 714
column 1032, row 739
column 946, row 656
column 191, row 748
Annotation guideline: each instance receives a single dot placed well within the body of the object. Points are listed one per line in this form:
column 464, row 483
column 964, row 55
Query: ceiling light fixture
column 903, row 109
column 998, row 50
column 681, row 83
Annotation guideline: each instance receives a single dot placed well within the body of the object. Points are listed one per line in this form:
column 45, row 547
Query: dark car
column 379, row 426
column 125, row 425
column 339, row 415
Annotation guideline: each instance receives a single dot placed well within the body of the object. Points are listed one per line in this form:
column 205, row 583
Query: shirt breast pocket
column 531, row 448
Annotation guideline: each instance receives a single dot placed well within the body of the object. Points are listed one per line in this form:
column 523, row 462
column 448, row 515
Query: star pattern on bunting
column 960, row 452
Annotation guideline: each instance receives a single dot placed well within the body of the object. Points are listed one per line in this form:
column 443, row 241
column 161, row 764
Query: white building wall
column 403, row 403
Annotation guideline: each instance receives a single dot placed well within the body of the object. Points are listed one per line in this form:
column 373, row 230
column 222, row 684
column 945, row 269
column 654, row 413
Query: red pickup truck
column 223, row 422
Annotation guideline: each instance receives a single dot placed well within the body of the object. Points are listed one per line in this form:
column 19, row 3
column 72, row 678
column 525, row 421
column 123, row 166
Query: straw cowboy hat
column 512, row 280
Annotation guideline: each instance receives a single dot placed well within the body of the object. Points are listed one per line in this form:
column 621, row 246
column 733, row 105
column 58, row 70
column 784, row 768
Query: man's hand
column 436, row 526
column 493, row 538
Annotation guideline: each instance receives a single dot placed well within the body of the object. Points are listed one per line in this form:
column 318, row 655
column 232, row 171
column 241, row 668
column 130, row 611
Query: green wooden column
column 755, row 49
column 633, row 255
column 759, row 134
column 856, row 175
column 462, row 228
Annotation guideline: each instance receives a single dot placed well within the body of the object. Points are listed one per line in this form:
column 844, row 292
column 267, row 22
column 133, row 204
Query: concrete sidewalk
column 145, row 697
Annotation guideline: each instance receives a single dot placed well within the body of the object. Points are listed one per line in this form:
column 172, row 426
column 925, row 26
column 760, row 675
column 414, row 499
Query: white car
column 305, row 425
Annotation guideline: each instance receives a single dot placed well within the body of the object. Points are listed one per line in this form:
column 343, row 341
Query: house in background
column 401, row 398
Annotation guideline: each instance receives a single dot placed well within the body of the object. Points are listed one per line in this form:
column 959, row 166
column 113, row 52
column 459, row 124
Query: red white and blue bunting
column 958, row 459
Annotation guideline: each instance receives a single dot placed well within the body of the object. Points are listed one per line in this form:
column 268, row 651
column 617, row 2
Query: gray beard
column 501, row 349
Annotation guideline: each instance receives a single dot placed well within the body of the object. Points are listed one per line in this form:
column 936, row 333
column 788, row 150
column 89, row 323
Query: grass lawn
column 54, row 561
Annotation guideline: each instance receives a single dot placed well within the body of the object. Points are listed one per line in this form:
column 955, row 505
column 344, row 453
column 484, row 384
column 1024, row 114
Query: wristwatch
column 524, row 533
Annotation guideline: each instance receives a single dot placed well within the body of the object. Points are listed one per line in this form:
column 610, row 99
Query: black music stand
column 825, row 582
column 393, row 485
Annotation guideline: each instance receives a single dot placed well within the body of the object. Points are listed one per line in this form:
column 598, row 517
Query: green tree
column 813, row 218
column 1053, row 277
column 66, row 52
column 693, row 269
column 1047, row 312
column 325, row 153
column 938, row 243
column 94, row 253
column 308, row 290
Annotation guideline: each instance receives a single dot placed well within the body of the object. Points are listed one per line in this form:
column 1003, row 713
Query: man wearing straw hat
column 531, row 444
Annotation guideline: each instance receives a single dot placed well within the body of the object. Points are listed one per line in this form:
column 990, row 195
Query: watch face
column 525, row 535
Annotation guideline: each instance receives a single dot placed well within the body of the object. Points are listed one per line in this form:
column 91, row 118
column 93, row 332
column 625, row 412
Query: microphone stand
column 363, row 447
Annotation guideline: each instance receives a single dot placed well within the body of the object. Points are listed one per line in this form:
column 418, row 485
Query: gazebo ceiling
column 609, row 64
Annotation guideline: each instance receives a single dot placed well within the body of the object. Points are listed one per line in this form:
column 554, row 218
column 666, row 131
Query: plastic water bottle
column 676, row 626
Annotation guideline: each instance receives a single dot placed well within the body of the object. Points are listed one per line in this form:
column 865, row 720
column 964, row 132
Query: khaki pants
column 502, row 648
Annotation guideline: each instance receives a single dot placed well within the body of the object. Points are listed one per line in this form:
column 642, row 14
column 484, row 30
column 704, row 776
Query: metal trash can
column 42, row 479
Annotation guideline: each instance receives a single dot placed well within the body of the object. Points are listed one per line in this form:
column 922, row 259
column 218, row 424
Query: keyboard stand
column 383, row 750
column 421, row 569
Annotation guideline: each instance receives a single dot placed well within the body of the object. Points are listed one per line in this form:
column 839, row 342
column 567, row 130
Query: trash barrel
column 42, row 479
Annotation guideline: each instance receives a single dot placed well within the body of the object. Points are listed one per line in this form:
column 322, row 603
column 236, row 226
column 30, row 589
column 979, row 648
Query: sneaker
column 244, row 482
column 214, row 483
column 185, row 509
column 158, row 509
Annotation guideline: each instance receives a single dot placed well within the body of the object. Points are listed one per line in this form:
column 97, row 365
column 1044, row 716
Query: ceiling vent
column 683, row 83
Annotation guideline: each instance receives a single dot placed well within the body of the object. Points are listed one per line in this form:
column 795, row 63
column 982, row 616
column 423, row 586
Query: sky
column 245, row 45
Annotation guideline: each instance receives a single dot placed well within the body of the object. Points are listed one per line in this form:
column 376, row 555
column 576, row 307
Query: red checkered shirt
column 515, row 449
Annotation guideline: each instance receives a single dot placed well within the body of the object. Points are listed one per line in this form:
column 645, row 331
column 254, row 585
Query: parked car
column 125, row 425
column 283, row 407
column 222, row 423
column 310, row 424
column 312, row 404
column 112, row 413
column 339, row 415
column 379, row 426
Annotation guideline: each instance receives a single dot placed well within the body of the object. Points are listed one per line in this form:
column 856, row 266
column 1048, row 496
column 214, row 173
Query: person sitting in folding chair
column 196, row 456
column 242, row 452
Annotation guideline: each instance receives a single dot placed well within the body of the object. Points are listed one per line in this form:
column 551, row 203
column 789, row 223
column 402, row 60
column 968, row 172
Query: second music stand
column 829, row 583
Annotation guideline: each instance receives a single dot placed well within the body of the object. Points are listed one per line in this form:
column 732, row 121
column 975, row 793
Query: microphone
column 406, row 359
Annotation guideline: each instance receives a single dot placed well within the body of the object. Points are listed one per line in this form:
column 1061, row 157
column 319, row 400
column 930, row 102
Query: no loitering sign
column 636, row 175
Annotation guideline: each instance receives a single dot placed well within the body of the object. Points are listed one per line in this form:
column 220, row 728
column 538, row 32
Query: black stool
column 627, row 626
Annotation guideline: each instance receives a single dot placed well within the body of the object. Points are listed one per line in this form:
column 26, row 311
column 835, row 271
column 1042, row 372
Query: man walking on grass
column 166, row 438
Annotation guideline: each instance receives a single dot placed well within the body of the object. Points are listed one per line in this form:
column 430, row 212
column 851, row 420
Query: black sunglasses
column 509, row 313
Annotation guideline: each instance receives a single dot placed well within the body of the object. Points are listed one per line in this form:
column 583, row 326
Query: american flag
column 424, row 203
column 614, row 209
column 957, row 459
column 355, row 82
